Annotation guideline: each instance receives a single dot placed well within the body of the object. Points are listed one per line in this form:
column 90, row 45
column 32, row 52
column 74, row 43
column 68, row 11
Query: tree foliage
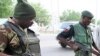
column 5, row 8
column 70, row 15
column 42, row 16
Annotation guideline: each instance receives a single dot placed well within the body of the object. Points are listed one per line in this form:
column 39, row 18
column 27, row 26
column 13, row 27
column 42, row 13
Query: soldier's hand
column 98, row 54
column 98, row 50
column 75, row 47
column 2, row 54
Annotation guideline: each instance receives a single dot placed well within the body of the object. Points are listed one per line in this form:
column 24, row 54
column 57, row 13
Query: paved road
column 50, row 46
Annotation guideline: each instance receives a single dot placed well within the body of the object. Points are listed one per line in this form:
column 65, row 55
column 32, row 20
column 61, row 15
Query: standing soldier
column 15, row 37
column 82, row 35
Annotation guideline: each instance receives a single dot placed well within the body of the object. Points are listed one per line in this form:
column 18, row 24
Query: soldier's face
column 26, row 23
column 87, row 20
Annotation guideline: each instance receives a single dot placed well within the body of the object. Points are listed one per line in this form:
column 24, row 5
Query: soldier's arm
column 96, row 50
column 69, row 33
column 3, row 41
column 94, row 45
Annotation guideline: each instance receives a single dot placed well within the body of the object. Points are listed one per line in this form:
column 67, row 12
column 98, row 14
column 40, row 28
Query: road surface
column 50, row 46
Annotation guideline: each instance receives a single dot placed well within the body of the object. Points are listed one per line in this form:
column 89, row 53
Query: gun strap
column 19, row 32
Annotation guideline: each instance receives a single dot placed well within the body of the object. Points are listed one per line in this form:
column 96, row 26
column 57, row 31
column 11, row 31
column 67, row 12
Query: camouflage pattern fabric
column 10, row 43
column 81, row 53
column 7, row 36
column 84, row 37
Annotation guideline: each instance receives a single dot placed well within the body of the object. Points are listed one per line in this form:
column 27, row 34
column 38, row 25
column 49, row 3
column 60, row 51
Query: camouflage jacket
column 10, row 42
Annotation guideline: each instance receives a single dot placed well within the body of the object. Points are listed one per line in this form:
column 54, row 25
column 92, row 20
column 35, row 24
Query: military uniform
column 82, row 36
column 10, row 42
column 18, row 41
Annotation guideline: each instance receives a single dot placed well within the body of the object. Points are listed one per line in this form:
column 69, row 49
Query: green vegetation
column 70, row 15
column 5, row 8
column 43, row 18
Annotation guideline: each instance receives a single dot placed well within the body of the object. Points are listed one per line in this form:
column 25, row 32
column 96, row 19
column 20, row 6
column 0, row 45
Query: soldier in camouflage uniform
column 15, row 37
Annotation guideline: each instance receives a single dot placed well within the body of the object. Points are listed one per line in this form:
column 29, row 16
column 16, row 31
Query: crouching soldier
column 15, row 37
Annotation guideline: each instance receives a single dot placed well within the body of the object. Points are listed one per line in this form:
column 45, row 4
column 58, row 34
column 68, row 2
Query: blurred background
column 52, row 16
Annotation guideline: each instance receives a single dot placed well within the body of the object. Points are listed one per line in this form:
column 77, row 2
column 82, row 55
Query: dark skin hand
column 70, row 43
column 75, row 47
column 3, row 54
column 94, row 51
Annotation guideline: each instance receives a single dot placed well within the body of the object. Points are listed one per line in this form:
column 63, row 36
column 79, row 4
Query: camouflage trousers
column 82, row 53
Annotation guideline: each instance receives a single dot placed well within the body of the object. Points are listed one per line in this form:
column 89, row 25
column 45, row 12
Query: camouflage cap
column 23, row 10
column 87, row 14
